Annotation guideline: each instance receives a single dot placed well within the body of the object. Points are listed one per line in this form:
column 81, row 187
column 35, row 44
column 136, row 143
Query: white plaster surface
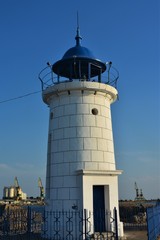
column 89, row 120
column 70, row 156
column 70, row 132
column 96, row 132
column 97, row 156
column 76, row 120
column 70, row 109
column 83, row 156
column 83, row 109
column 90, row 143
column 83, row 132
column 76, row 144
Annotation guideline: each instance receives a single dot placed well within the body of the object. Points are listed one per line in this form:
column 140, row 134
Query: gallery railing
column 48, row 78
column 29, row 223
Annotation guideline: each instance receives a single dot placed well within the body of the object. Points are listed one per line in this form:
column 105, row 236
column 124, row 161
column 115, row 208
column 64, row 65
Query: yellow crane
column 41, row 188
column 18, row 189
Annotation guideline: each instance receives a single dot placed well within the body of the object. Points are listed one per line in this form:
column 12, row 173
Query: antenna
column 78, row 37
column 77, row 20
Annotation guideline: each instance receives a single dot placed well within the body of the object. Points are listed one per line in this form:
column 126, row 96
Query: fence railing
column 28, row 224
column 153, row 222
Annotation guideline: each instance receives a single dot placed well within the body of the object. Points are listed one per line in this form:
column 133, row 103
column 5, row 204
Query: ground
column 135, row 235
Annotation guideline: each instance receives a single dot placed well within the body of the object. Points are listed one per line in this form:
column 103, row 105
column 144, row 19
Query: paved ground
column 135, row 235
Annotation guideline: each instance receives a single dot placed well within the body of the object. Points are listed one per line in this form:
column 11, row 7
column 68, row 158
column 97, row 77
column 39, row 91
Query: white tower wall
column 80, row 145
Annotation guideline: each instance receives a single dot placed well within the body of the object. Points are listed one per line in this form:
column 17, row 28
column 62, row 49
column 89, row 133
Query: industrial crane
column 41, row 188
column 18, row 189
column 137, row 191
column 139, row 196
column 16, row 184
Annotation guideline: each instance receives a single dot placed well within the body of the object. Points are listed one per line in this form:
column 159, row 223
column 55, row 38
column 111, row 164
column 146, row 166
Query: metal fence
column 30, row 224
column 153, row 222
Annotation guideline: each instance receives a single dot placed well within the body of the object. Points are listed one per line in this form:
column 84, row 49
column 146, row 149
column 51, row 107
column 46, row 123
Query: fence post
column 116, row 223
column 85, row 223
column 6, row 222
column 148, row 228
column 29, row 221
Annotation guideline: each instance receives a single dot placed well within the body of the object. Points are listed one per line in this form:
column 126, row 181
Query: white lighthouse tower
column 81, row 170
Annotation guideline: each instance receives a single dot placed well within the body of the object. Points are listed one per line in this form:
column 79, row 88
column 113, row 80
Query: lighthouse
column 81, row 169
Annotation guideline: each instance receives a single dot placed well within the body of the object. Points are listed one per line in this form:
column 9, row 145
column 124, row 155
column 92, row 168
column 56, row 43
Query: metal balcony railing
column 48, row 78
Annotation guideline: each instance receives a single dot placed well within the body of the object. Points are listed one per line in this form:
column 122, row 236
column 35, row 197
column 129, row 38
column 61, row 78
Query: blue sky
column 125, row 32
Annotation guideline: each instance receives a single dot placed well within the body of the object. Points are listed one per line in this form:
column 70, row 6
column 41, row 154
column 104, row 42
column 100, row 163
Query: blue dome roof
column 78, row 51
column 76, row 62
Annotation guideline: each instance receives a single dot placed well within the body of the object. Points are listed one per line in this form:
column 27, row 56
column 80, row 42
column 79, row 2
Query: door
column 99, row 208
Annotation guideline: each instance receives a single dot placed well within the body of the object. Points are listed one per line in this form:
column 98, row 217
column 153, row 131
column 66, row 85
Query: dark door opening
column 99, row 208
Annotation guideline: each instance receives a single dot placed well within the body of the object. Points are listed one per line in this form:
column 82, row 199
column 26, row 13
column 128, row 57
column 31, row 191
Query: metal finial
column 78, row 37
column 77, row 20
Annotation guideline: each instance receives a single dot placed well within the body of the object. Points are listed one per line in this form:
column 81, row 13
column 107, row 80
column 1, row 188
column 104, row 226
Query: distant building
column 14, row 192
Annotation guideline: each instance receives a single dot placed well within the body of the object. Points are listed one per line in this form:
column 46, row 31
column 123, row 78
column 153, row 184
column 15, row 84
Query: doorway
column 99, row 208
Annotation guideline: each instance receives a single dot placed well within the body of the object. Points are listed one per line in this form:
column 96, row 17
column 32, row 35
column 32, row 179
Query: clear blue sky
column 125, row 32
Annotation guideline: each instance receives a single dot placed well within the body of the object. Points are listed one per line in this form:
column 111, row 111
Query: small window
column 94, row 111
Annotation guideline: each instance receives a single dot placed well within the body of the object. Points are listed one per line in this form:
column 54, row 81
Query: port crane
column 137, row 191
column 18, row 189
column 139, row 196
column 41, row 188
